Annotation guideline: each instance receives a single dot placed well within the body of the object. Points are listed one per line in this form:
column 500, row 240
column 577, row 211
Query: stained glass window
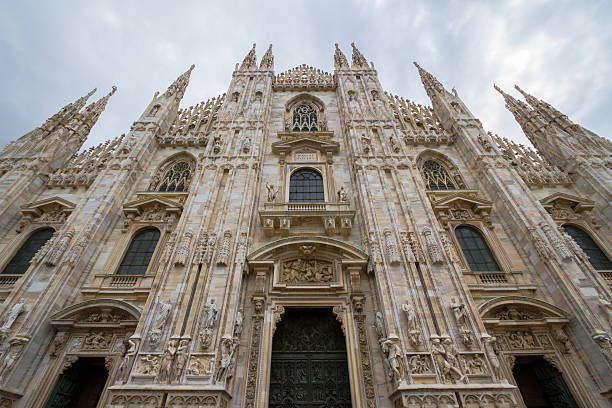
column 436, row 176
column 475, row 249
column 597, row 257
column 21, row 261
column 306, row 185
column 137, row 258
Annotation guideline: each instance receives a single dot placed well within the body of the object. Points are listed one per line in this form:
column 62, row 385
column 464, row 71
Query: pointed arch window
column 21, row 260
column 475, row 249
column 306, row 185
column 305, row 118
column 174, row 177
column 437, row 176
column 138, row 256
column 597, row 257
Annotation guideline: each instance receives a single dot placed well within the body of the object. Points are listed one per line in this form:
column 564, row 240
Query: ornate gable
column 52, row 210
column 461, row 206
column 152, row 209
column 99, row 313
column 304, row 78
column 565, row 207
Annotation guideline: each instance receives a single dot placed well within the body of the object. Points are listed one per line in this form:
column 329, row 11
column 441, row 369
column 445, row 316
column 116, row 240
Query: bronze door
column 309, row 365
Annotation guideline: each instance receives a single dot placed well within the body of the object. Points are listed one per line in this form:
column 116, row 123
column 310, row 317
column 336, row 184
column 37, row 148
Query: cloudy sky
column 53, row 52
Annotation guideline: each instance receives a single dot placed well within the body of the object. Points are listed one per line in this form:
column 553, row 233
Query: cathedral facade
column 306, row 239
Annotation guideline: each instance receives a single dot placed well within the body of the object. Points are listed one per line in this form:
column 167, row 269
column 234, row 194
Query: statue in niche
column 238, row 325
column 205, row 338
column 272, row 192
column 210, row 315
column 342, row 195
column 160, row 321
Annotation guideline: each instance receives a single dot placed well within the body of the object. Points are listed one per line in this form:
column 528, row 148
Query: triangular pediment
column 578, row 204
column 303, row 141
column 152, row 202
column 304, row 77
column 462, row 201
column 48, row 205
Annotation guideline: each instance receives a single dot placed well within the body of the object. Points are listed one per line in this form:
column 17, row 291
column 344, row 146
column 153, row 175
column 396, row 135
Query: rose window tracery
column 305, row 119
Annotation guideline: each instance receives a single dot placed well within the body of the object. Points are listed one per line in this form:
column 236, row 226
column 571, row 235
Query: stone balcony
column 606, row 276
column 284, row 218
column 135, row 287
column 498, row 281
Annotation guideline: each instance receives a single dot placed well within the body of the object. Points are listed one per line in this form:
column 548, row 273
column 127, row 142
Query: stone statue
column 272, row 192
column 410, row 315
column 12, row 315
column 181, row 359
column 394, row 358
column 129, row 350
column 238, row 325
column 165, row 368
column 342, row 195
column 441, row 358
column 225, row 363
column 210, row 315
column 380, row 326
column 205, row 338
column 490, row 351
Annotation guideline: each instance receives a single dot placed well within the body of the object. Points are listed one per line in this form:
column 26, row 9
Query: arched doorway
column 309, row 363
column 541, row 385
column 80, row 386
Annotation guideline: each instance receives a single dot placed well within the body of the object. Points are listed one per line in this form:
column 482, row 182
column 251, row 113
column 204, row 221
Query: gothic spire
column 180, row 84
column 67, row 111
column 358, row 58
column 430, row 83
column 250, row 61
column 267, row 62
column 93, row 111
column 518, row 108
column 340, row 61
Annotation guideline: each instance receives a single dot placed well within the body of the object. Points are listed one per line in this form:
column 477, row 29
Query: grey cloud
column 53, row 52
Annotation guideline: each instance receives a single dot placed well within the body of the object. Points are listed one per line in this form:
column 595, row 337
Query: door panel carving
column 309, row 364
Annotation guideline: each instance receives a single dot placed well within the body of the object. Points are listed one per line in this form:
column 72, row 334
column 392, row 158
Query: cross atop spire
column 180, row 84
column 340, row 61
column 267, row 62
column 250, row 61
column 358, row 58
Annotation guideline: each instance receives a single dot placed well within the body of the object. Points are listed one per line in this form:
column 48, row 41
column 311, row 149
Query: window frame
column 297, row 169
column 494, row 246
column 126, row 247
column 15, row 246
column 594, row 237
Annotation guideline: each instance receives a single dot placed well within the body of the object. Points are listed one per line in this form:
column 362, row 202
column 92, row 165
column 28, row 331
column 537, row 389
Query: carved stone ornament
column 435, row 254
column 515, row 313
column 473, row 364
column 254, row 351
column 542, row 248
column 152, row 209
column 407, row 246
column 9, row 319
column 394, row 358
column 306, row 271
column 462, row 206
column 391, row 246
column 460, row 313
column 225, row 364
column 148, row 365
column 199, row 366
column 557, row 243
column 97, row 341
column 52, row 210
column 565, row 207
column 419, row 364
column 59, row 341
column 182, row 252
column 225, row 248
column 59, row 247
column 164, row 309
column 521, row 339
column 445, row 358
column 414, row 334
column 166, row 362
column 278, row 311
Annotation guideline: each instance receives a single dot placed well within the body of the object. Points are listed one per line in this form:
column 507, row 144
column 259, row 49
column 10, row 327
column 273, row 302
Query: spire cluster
column 267, row 62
